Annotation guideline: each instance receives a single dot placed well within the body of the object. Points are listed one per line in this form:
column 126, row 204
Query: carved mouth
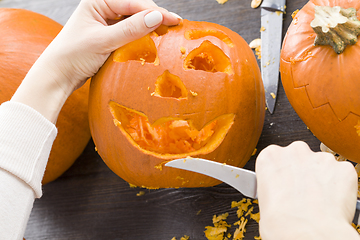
column 170, row 137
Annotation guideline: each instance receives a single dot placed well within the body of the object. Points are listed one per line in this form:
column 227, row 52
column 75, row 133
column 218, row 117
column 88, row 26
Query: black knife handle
column 357, row 213
column 274, row 5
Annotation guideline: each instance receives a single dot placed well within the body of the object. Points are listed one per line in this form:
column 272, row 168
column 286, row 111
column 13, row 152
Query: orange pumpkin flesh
column 168, row 136
column 321, row 85
column 24, row 36
column 189, row 90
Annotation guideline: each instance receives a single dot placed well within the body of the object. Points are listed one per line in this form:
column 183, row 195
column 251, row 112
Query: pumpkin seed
column 256, row 3
column 255, row 43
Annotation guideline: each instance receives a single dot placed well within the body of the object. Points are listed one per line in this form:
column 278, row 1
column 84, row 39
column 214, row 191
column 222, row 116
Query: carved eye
column 208, row 57
column 142, row 50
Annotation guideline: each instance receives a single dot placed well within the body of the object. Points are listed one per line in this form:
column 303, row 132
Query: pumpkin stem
column 335, row 26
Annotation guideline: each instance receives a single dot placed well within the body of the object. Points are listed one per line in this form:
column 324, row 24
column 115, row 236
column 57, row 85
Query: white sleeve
column 26, row 138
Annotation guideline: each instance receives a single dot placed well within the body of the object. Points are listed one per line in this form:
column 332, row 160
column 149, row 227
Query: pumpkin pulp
column 174, row 136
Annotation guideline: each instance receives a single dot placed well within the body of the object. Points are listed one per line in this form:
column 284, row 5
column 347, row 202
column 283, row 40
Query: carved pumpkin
column 320, row 73
column 189, row 90
column 24, row 36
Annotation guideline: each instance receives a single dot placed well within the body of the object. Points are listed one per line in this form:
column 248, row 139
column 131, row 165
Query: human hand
column 305, row 195
column 93, row 31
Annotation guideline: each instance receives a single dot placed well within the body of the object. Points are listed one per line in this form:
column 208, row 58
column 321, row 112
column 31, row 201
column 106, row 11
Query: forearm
column 17, row 200
column 41, row 89
column 26, row 138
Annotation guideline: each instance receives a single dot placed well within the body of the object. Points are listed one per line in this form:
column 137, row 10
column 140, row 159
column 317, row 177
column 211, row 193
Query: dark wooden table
column 91, row 202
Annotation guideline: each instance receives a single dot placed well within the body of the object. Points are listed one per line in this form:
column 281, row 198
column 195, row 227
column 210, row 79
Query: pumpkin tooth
column 163, row 29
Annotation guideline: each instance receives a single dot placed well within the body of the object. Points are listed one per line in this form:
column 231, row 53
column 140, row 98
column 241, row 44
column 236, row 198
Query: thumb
column 133, row 28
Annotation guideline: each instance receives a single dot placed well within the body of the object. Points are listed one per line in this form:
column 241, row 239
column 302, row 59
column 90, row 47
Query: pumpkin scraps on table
column 185, row 237
column 247, row 211
column 256, row 45
column 220, row 230
column 221, row 1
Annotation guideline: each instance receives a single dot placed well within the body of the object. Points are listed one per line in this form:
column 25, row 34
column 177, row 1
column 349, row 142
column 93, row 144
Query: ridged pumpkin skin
column 234, row 91
column 24, row 36
column 322, row 86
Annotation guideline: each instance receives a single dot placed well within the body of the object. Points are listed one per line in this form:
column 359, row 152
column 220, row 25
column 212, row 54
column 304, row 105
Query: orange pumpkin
column 24, row 36
column 320, row 81
column 189, row 90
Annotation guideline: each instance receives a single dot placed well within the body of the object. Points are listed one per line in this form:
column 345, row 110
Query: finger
column 132, row 28
column 348, row 171
column 266, row 162
column 299, row 146
column 270, row 153
column 131, row 7
column 274, row 155
column 170, row 18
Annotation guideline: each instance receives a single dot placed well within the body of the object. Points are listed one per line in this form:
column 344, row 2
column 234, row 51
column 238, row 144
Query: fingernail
column 175, row 15
column 153, row 18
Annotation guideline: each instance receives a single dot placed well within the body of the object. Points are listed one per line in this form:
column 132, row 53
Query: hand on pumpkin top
column 94, row 30
column 305, row 195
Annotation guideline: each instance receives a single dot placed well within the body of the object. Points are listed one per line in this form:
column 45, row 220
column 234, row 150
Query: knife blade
column 271, row 37
column 241, row 179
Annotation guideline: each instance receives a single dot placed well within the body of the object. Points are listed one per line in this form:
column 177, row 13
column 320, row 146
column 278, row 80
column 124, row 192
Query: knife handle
column 274, row 5
column 357, row 213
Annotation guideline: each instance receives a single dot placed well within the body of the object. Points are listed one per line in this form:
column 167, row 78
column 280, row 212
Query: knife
column 271, row 35
column 241, row 179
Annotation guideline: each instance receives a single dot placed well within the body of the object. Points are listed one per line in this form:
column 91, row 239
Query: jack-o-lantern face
column 189, row 90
